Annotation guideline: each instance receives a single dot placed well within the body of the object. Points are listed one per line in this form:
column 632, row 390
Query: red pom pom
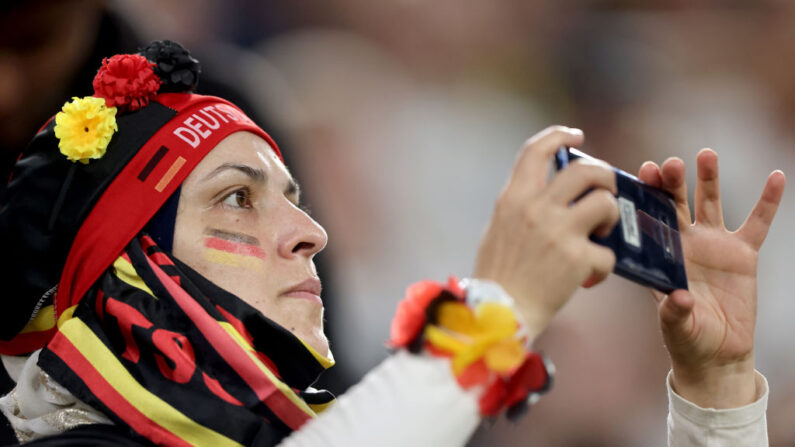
column 455, row 289
column 531, row 376
column 475, row 374
column 492, row 399
column 436, row 352
column 126, row 81
column 410, row 315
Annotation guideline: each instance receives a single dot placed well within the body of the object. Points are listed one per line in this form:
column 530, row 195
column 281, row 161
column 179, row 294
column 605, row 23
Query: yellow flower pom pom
column 489, row 333
column 84, row 127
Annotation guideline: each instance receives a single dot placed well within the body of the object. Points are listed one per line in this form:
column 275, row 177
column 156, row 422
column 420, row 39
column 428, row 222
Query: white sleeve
column 691, row 425
column 408, row 400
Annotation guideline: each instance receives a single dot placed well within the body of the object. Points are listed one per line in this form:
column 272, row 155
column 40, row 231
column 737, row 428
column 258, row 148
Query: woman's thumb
column 676, row 312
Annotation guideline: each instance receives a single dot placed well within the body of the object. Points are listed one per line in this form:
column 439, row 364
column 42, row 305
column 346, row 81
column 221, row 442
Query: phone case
column 646, row 239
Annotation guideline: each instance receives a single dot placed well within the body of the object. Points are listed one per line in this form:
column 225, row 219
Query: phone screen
column 646, row 240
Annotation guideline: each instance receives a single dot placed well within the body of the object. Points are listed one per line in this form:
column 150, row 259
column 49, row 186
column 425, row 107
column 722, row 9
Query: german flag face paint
column 233, row 249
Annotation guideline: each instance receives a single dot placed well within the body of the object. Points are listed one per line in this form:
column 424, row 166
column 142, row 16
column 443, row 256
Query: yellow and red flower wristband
column 473, row 323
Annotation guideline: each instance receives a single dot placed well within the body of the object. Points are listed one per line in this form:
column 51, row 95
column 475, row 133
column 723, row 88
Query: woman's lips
column 308, row 290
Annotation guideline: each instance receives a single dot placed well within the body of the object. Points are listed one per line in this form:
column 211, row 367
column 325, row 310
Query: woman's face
column 239, row 224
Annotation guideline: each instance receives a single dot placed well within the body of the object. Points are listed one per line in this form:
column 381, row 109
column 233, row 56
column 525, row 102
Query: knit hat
column 67, row 214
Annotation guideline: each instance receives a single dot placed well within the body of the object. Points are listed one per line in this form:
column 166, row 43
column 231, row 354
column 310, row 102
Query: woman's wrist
column 536, row 318
column 725, row 386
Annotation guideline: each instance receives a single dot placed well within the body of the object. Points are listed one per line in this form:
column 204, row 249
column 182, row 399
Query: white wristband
column 484, row 291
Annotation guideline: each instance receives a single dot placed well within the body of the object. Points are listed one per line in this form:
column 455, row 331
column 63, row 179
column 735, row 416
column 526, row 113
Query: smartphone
column 646, row 239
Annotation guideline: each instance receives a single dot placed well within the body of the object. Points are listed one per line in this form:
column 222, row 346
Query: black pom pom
column 174, row 65
column 517, row 410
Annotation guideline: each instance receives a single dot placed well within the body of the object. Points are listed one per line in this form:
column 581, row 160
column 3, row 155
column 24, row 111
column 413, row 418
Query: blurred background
column 401, row 119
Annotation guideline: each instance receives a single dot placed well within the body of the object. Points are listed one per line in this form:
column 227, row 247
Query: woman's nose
column 302, row 236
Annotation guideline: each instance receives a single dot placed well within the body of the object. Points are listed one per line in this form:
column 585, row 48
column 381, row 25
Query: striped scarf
column 162, row 350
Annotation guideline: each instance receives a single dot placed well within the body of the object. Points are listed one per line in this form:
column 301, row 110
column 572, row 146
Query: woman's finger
column 574, row 181
column 707, row 204
column 649, row 173
column 531, row 168
column 597, row 210
column 672, row 173
column 676, row 315
column 756, row 226
column 602, row 261
column 594, row 279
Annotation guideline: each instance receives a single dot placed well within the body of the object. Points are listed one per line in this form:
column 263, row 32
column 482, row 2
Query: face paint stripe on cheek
column 233, row 259
column 235, row 237
column 234, row 247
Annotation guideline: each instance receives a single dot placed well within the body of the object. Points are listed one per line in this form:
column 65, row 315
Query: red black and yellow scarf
column 178, row 360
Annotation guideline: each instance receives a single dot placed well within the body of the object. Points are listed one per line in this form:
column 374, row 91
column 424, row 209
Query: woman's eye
column 238, row 199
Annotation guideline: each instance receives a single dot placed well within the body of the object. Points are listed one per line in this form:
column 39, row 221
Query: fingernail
column 575, row 131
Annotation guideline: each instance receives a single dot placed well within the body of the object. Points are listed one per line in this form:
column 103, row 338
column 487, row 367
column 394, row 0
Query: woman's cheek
column 233, row 249
column 233, row 260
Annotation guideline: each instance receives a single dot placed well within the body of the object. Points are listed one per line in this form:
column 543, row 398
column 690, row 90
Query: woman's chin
column 317, row 340
column 305, row 320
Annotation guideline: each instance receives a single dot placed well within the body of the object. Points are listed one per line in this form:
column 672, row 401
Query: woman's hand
column 709, row 329
column 536, row 245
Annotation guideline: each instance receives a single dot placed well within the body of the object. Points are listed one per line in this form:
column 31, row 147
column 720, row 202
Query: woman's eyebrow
column 257, row 175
